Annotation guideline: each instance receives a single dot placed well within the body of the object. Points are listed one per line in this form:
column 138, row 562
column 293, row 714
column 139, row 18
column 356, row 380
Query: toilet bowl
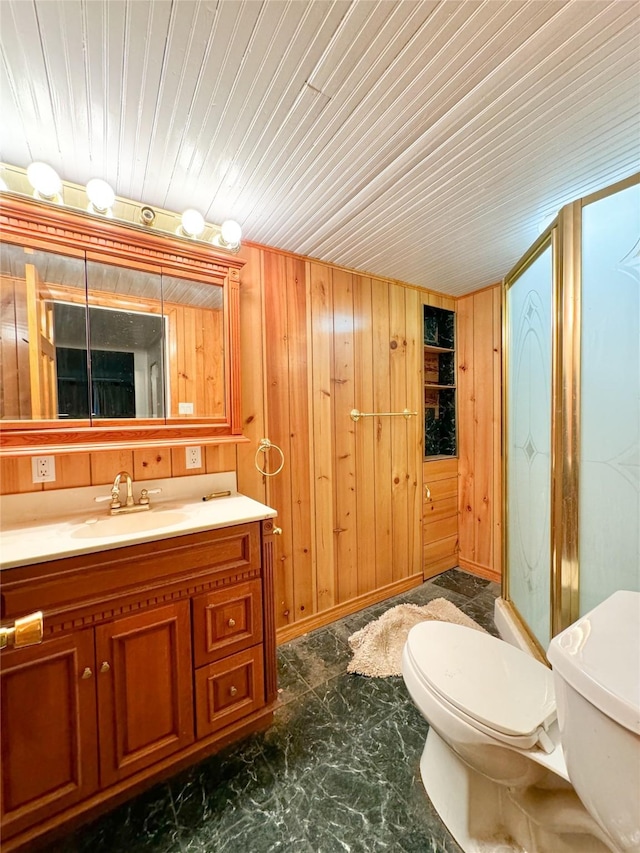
column 493, row 764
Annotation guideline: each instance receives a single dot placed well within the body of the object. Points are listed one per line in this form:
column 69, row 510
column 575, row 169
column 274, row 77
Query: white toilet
column 493, row 764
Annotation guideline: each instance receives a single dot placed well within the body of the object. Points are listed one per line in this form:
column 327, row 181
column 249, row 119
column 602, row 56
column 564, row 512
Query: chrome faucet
column 129, row 505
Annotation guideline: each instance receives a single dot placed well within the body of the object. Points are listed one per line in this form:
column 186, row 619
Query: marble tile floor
column 338, row 770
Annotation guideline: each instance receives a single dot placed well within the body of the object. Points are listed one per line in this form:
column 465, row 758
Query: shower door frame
column 564, row 235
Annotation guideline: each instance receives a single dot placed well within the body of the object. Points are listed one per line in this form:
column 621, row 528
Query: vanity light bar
column 43, row 182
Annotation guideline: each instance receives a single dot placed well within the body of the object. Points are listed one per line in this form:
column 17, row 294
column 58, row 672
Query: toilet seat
column 495, row 687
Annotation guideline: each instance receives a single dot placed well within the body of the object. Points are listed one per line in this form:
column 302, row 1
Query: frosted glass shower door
column 528, row 443
column 609, row 505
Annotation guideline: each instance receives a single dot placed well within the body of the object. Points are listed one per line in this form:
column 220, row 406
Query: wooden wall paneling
column 73, row 470
column 299, row 462
column 252, row 333
column 16, row 476
column 9, row 364
column 278, row 419
column 466, row 431
column 106, row 464
column 171, row 406
column 497, row 429
column 414, row 337
column 346, row 546
column 188, row 366
column 365, row 487
column 220, row 457
column 397, row 349
column 321, row 304
column 483, row 425
column 151, row 463
column 382, row 465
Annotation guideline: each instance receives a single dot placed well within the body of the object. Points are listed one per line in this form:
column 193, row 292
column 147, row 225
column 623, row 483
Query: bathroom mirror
column 97, row 341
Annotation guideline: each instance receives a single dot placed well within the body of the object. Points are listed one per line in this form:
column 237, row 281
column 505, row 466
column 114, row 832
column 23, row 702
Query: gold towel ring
column 265, row 445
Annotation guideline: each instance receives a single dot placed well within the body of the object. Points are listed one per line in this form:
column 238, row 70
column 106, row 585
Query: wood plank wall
column 479, row 354
column 349, row 495
column 318, row 341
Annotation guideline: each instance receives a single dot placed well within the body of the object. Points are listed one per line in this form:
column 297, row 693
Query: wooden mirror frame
column 49, row 227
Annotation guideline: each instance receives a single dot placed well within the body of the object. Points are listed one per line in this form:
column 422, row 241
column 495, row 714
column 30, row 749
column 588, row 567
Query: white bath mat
column 377, row 648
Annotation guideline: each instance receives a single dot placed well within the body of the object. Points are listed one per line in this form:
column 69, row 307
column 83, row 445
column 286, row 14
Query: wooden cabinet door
column 48, row 729
column 145, row 692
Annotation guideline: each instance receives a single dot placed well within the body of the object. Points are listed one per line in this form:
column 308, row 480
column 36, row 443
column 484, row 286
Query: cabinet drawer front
column 228, row 690
column 48, row 729
column 440, row 529
column 435, row 490
column 226, row 621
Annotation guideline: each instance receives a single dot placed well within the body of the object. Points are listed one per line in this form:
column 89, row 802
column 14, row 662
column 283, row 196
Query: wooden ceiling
column 424, row 141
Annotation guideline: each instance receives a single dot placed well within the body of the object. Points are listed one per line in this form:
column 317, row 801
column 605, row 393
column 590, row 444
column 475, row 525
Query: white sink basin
column 135, row 522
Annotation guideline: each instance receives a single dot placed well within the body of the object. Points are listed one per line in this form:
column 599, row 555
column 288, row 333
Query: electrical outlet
column 43, row 469
column 193, row 457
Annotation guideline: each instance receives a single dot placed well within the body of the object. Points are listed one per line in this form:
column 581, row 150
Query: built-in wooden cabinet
column 153, row 656
column 440, row 516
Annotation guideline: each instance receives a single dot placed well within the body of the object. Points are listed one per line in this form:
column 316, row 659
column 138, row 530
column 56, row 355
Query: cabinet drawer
column 228, row 690
column 440, row 529
column 435, row 490
column 226, row 621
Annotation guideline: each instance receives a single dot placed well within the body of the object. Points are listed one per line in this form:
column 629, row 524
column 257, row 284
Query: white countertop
column 32, row 532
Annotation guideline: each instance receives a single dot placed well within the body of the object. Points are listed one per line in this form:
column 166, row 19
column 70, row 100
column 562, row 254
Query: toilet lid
column 491, row 681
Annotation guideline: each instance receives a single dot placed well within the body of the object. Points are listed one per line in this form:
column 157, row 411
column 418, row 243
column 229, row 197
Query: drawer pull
column 105, row 666
column 427, row 492
column 233, row 691
column 231, row 623
column 277, row 531
column 86, row 673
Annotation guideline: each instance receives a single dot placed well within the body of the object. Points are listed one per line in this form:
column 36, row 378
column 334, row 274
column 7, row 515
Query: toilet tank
column 596, row 670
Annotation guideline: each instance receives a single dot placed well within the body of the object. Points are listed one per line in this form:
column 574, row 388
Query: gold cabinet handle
column 233, row 691
column 86, row 673
column 231, row 623
column 26, row 631
column 277, row 531
column 427, row 492
column 104, row 666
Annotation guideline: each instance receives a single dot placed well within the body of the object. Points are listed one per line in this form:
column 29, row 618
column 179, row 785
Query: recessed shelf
column 439, row 383
column 434, row 348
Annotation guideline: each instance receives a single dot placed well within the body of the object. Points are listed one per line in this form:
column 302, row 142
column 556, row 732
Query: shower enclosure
column 571, row 416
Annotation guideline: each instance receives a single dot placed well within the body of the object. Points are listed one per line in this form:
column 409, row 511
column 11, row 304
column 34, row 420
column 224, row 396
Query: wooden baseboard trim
column 325, row 617
column 479, row 570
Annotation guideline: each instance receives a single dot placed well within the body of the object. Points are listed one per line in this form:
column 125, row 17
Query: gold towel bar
column 405, row 413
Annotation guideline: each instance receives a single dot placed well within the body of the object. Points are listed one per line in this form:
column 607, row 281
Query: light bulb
column 45, row 181
column 230, row 234
column 100, row 195
column 192, row 223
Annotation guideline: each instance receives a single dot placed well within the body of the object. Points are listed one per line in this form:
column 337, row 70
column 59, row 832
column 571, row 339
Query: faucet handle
column 144, row 495
column 101, row 498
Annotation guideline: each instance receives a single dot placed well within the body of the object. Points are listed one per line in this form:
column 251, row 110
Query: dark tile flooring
column 338, row 770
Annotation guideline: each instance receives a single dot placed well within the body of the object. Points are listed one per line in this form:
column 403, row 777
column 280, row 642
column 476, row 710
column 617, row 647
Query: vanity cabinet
column 154, row 655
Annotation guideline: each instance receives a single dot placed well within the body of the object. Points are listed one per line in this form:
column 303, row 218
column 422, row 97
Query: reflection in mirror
column 147, row 346
column 196, row 351
column 29, row 281
column 126, row 342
